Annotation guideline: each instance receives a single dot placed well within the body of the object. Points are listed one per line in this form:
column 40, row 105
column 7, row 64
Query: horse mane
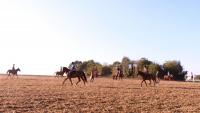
column 65, row 69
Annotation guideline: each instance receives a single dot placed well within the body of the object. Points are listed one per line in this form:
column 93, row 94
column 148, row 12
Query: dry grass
column 45, row 94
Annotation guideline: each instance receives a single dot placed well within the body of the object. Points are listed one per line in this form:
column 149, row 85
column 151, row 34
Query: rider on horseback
column 73, row 66
column 13, row 68
column 95, row 71
column 146, row 69
column 61, row 69
column 119, row 71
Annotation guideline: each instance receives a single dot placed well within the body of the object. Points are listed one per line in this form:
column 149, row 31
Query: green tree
column 106, row 70
column 142, row 62
column 87, row 66
column 99, row 68
column 153, row 68
column 125, row 65
column 131, row 69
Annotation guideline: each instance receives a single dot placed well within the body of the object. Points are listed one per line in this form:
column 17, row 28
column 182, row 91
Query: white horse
column 190, row 77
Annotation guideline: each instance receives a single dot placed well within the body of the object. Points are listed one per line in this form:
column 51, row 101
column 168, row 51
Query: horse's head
column 18, row 69
column 65, row 69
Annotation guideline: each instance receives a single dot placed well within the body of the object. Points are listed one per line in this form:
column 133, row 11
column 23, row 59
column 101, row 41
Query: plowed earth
column 46, row 94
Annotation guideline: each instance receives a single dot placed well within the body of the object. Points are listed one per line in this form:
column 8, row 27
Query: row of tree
column 131, row 67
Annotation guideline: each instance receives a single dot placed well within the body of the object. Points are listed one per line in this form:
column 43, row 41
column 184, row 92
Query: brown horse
column 168, row 77
column 73, row 74
column 119, row 75
column 13, row 72
column 147, row 76
column 59, row 73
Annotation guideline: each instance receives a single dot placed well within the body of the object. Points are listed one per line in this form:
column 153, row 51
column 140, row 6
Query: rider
column 118, row 70
column 13, row 68
column 61, row 69
column 146, row 69
column 95, row 71
column 73, row 66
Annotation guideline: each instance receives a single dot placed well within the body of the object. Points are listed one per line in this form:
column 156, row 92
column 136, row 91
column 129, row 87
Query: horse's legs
column 64, row 80
column 118, row 76
column 154, row 82
column 150, row 82
column 8, row 75
column 142, row 82
column 70, row 81
column 91, row 78
column 62, row 75
column 57, row 76
column 78, row 80
column 83, row 79
column 121, row 77
column 157, row 79
column 114, row 77
column 13, row 76
column 145, row 82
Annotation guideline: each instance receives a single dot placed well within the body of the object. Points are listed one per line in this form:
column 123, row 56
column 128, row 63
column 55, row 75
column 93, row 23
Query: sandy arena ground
column 46, row 94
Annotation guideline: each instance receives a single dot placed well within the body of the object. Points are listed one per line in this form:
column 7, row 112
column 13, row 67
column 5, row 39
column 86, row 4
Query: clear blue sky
column 39, row 36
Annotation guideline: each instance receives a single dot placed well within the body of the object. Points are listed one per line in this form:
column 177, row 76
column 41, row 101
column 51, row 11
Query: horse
column 114, row 77
column 13, row 72
column 119, row 74
column 93, row 74
column 147, row 76
column 168, row 77
column 59, row 73
column 73, row 74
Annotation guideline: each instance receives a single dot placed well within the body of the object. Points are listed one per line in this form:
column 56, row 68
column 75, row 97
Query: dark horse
column 73, row 74
column 59, row 73
column 13, row 72
column 147, row 76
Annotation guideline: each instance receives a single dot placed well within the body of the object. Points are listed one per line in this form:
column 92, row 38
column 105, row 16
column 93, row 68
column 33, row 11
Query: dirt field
column 46, row 94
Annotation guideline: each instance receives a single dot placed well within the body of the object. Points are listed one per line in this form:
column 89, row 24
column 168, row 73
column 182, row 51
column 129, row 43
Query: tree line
column 131, row 67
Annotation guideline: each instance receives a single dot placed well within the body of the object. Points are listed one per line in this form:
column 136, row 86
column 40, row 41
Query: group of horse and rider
column 93, row 74
column 119, row 74
column 73, row 72
column 13, row 72
column 147, row 76
column 154, row 77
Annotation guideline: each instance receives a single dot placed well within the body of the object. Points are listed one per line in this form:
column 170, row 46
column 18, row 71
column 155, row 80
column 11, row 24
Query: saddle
column 72, row 72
